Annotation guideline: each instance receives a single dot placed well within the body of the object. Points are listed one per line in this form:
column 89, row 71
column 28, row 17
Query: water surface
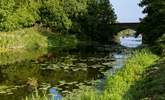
column 65, row 69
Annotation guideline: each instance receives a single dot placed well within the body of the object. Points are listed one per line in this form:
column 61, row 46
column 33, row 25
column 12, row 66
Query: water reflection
column 131, row 41
column 121, row 57
column 59, row 71
column 62, row 69
column 55, row 95
column 20, row 55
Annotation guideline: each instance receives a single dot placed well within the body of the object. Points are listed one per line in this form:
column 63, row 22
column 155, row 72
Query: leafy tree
column 16, row 14
column 53, row 16
column 96, row 23
column 89, row 17
column 75, row 9
column 153, row 25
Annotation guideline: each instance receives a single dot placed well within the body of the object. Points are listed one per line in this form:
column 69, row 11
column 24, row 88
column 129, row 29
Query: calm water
column 21, row 71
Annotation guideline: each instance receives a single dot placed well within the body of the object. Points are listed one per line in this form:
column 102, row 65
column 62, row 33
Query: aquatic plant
column 36, row 96
column 118, row 85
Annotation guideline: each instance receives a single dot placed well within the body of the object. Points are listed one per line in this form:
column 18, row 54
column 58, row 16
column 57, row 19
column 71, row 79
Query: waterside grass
column 24, row 38
column 153, row 84
column 123, row 84
column 34, row 38
column 36, row 96
column 126, row 84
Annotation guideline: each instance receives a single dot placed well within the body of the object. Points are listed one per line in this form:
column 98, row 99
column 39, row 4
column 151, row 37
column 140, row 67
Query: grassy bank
column 129, row 83
column 24, row 38
column 32, row 38
column 153, row 84
column 122, row 85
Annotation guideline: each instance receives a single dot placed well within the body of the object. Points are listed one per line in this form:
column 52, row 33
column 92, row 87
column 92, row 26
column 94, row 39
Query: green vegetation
column 97, row 21
column 153, row 82
column 92, row 18
column 26, row 38
column 62, row 18
column 159, row 46
column 32, row 38
column 129, row 83
column 36, row 96
column 118, row 86
column 151, row 86
column 152, row 26
column 21, row 55
column 36, row 25
column 15, row 14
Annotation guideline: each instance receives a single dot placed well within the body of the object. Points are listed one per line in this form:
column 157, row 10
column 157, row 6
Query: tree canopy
column 90, row 17
column 96, row 23
column 153, row 25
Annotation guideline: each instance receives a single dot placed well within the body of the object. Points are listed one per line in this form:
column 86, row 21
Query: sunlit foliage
column 89, row 17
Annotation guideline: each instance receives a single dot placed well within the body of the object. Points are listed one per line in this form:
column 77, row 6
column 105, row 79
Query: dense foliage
column 159, row 46
column 16, row 14
column 90, row 17
column 153, row 25
column 98, row 19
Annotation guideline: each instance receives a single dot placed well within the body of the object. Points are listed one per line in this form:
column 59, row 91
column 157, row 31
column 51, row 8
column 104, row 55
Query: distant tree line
column 90, row 17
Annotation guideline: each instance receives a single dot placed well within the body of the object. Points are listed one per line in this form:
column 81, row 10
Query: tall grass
column 153, row 84
column 24, row 38
column 32, row 38
column 118, row 86
column 36, row 96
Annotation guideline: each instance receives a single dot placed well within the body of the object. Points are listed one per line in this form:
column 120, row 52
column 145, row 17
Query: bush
column 159, row 46
column 25, row 38
column 15, row 14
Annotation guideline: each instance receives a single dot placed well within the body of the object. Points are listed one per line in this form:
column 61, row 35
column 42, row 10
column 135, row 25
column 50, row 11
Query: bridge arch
column 122, row 26
column 124, row 29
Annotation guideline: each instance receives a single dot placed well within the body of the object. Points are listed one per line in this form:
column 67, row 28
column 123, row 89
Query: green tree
column 89, row 17
column 53, row 15
column 153, row 25
column 97, row 21
column 16, row 14
column 75, row 9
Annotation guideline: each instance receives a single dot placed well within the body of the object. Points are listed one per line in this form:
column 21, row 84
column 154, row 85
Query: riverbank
column 33, row 38
column 141, row 77
column 153, row 84
column 124, row 83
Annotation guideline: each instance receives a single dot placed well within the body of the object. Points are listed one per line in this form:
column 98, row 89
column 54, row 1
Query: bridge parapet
column 121, row 26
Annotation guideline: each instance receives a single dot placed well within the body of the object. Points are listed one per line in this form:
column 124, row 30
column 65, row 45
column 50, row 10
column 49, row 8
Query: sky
column 127, row 10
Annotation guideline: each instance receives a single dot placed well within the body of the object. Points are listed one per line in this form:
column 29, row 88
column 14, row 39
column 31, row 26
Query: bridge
column 127, row 25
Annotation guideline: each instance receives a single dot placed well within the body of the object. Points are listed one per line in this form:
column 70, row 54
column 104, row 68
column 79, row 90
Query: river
column 66, row 69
